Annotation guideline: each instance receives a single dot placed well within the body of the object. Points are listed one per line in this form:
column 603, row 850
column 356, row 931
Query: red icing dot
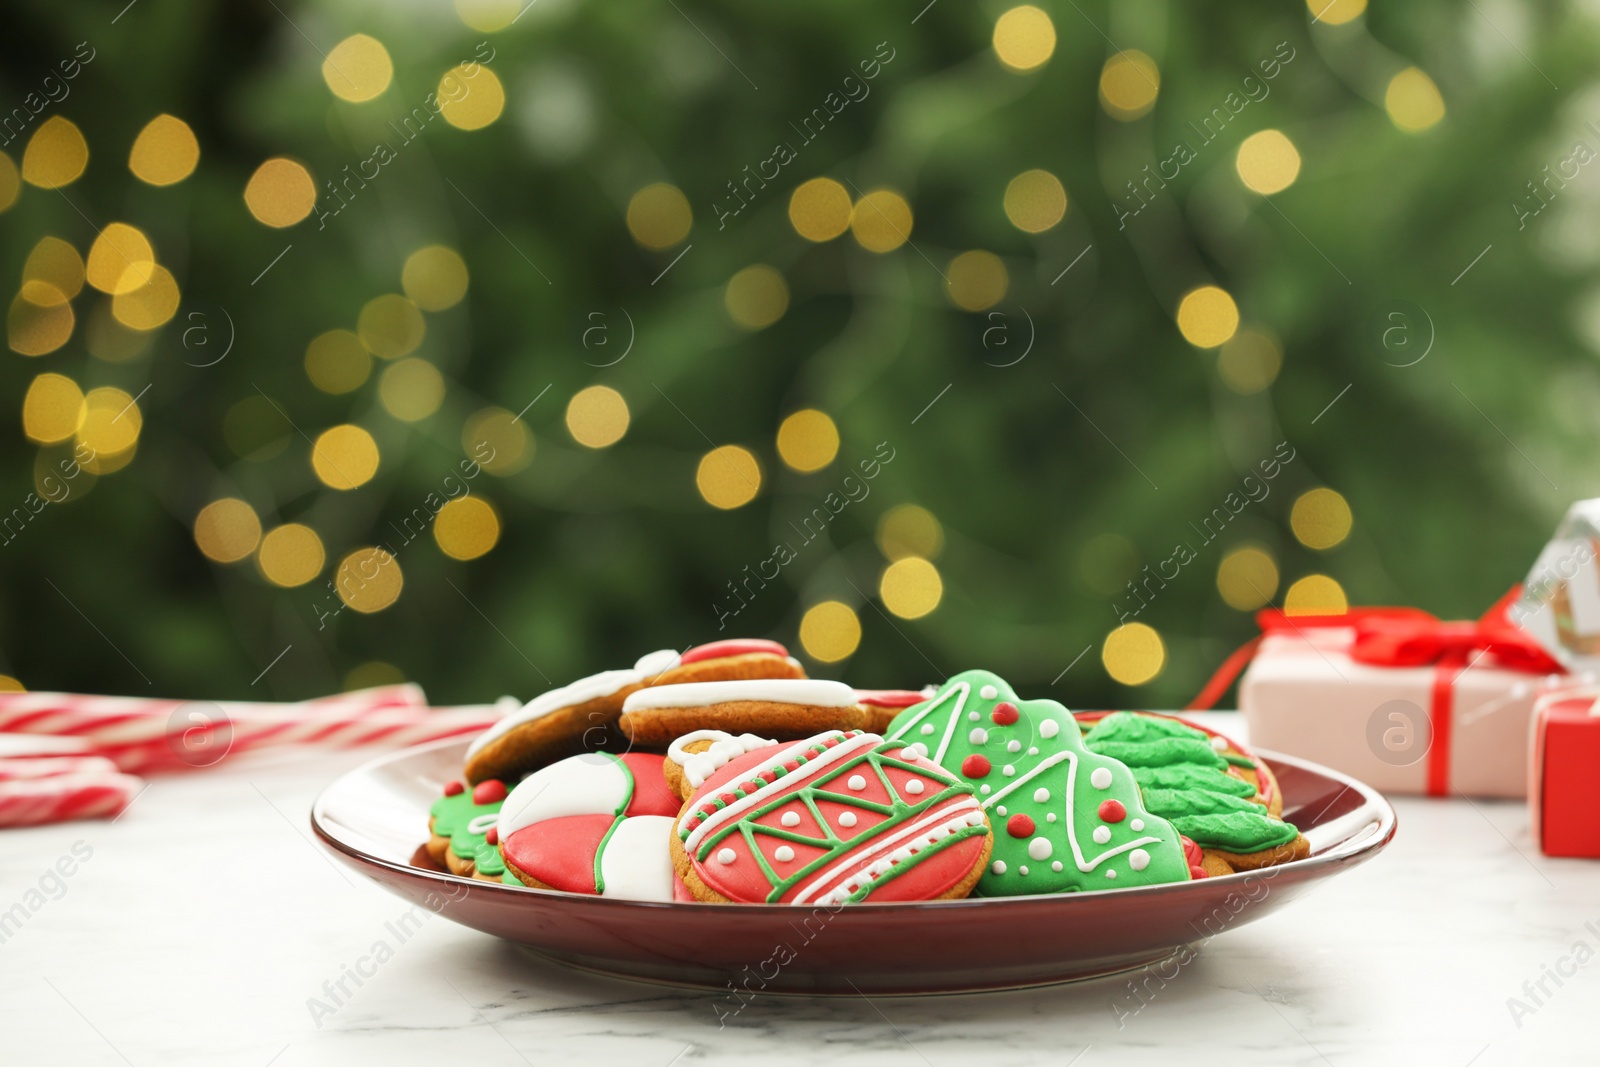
column 452, row 788
column 1191, row 852
column 726, row 798
column 1112, row 811
column 489, row 791
column 1198, row 872
column 1005, row 713
column 493, row 836
column 1019, row 826
column 975, row 766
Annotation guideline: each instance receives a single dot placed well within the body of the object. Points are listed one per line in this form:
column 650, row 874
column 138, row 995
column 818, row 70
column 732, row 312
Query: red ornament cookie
column 838, row 818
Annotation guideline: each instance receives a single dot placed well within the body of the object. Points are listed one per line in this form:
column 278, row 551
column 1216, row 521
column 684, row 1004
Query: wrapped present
column 1396, row 697
column 1560, row 601
column 1563, row 788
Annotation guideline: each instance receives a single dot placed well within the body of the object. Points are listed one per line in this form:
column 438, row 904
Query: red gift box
column 1563, row 786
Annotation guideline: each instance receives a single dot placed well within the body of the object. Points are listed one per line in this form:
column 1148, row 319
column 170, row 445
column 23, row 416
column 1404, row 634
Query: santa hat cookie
column 835, row 819
column 594, row 823
column 782, row 708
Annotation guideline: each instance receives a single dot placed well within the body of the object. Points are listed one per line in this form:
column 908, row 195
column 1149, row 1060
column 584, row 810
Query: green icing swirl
column 1241, row 832
column 1185, row 777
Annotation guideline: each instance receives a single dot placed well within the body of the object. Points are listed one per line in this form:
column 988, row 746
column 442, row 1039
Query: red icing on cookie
column 1019, row 826
column 1005, row 713
column 735, row 647
column 1112, row 811
column 488, row 791
column 560, row 852
column 1198, row 872
column 680, row 892
column 889, row 698
column 975, row 766
column 1191, row 851
column 493, row 836
column 453, row 788
column 651, row 794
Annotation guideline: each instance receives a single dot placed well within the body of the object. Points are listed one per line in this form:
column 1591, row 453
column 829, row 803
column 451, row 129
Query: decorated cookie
column 1213, row 791
column 575, row 718
column 782, row 708
column 692, row 758
column 462, row 825
column 594, row 823
column 727, row 661
column 1065, row 818
column 835, row 819
column 882, row 705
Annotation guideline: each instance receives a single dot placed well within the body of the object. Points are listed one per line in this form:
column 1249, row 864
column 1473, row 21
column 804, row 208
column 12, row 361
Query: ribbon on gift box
column 1408, row 637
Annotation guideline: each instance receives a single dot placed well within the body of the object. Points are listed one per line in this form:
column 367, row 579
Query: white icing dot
column 1049, row 728
column 1220, row 744
column 1056, row 866
column 783, row 854
column 1101, row 778
column 1136, row 825
column 1040, row 848
column 979, row 736
column 1008, row 770
column 1041, row 795
column 1051, row 817
column 1111, row 874
column 984, row 790
column 1034, row 751
column 927, row 728
column 847, row 818
column 727, row 855
column 1001, row 810
column 988, row 692
column 910, row 754
column 914, row 786
column 1138, row 859
column 972, row 716
column 1102, row 834
column 1014, row 746
column 790, row 818
column 856, row 782
column 998, row 866
column 1022, row 871
column 919, row 749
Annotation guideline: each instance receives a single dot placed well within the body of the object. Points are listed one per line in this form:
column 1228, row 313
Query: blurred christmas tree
column 490, row 346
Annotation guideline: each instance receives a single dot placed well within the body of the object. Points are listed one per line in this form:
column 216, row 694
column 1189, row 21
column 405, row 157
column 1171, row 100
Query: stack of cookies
column 741, row 780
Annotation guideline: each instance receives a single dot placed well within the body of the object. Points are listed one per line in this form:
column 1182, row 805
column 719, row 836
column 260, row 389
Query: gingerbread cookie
column 835, row 819
column 783, row 708
column 462, row 828
column 1066, row 819
column 577, row 717
column 692, row 758
column 1212, row 790
column 595, row 823
column 882, row 705
column 731, row 660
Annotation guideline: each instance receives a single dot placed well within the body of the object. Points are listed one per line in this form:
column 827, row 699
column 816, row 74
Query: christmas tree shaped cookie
column 1066, row 819
column 461, row 824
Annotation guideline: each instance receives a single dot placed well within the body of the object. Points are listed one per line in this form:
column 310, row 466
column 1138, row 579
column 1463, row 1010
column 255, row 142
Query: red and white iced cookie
column 723, row 661
column 838, row 818
column 596, row 824
column 782, row 708
column 882, row 705
column 695, row 756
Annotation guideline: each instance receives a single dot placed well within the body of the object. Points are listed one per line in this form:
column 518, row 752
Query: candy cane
column 54, row 767
column 34, row 801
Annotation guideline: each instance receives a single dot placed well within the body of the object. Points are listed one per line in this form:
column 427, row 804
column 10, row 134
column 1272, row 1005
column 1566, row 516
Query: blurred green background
column 1280, row 304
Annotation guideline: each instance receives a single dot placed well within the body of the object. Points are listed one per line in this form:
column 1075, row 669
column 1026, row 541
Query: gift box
column 1563, row 788
column 1398, row 698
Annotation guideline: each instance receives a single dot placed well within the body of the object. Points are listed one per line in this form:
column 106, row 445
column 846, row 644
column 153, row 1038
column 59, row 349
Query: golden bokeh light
column 908, row 530
column 40, row 320
column 910, row 587
column 147, row 306
column 1268, row 162
column 374, row 672
column 1207, row 317
column 829, row 631
column 10, row 182
column 881, row 221
column 1130, row 81
column 411, row 390
column 291, row 555
column 466, row 528
column 227, row 530
column 165, row 152
column 470, row 99
column 1035, row 201
column 728, row 477
column 56, row 154
column 391, row 326
column 110, row 427
column 597, row 417
column 1133, row 654
column 52, row 409
column 819, row 209
column 498, row 441
column 756, row 297
column 280, row 193
column 369, row 580
column 337, row 362
column 808, row 440
column 659, row 216
column 120, row 256
column 976, row 280
column 1247, row 578
column 435, row 277
column 344, row 457
column 1413, row 101
column 358, row 68
column 1335, row 12
column 1250, row 361
column 490, row 16
column 1320, row 518
column 9, row 684
column 57, row 264
column 1024, row 38
column 1315, row 594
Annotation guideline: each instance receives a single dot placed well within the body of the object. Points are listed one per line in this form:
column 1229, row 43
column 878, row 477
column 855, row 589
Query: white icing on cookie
column 811, row 692
column 636, row 862
column 580, row 692
column 577, row 785
column 698, row 766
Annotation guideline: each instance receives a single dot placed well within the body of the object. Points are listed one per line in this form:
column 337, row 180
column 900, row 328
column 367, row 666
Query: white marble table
column 205, row 920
